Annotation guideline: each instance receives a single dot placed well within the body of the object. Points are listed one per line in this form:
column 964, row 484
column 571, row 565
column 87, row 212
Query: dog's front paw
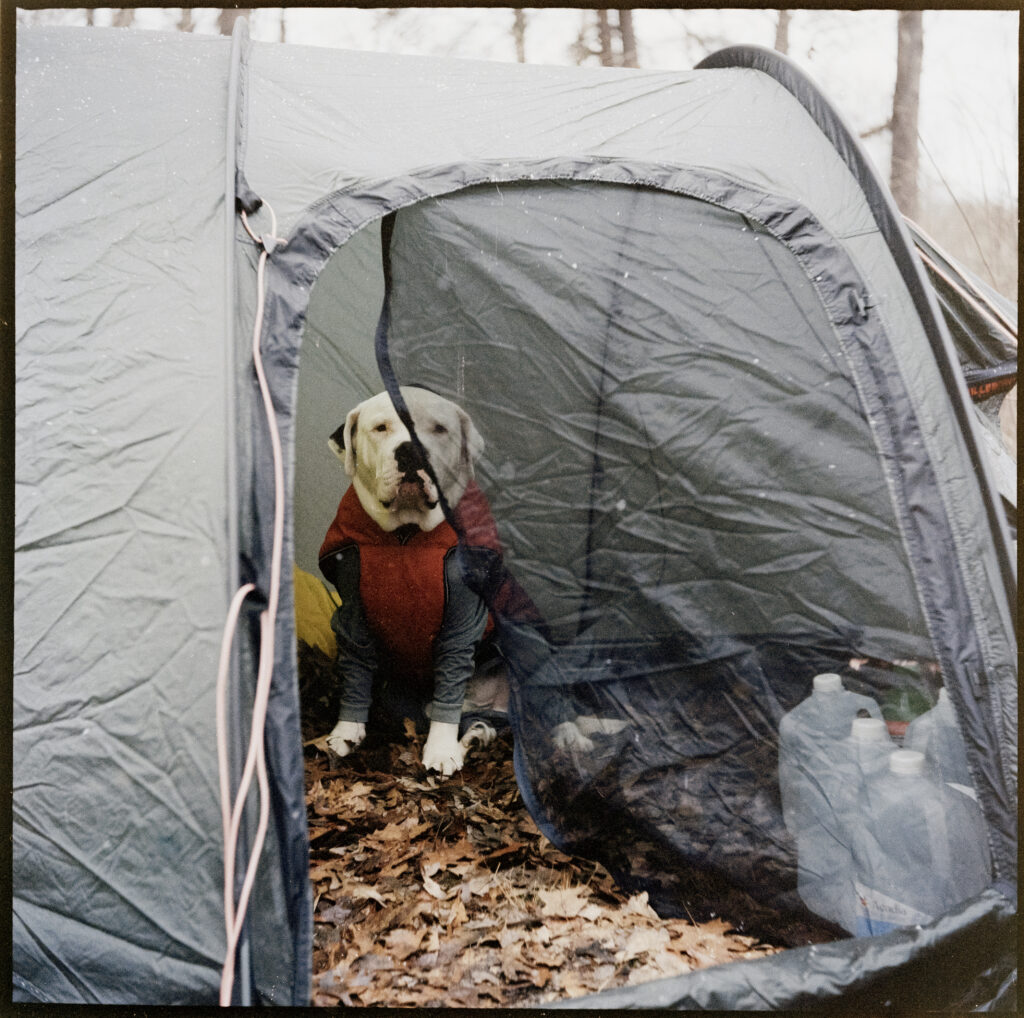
column 442, row 751
column 567, row 735
column 345, row 736
column 478, row 731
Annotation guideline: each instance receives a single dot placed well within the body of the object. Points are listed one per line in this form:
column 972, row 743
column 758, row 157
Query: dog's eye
column 381, row 428
column 440, row 429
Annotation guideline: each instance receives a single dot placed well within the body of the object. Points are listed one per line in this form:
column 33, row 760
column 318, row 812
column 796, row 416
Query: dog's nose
column 407, row 458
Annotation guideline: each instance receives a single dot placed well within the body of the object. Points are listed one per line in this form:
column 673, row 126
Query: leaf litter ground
column 442, row 892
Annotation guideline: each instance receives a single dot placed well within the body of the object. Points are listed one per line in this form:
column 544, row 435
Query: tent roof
column 396, row 116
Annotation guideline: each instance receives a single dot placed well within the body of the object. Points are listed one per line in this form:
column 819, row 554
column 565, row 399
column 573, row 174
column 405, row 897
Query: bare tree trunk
column 906, row 102
column 186, row 24
column 579, row 49
column 89, row 19
column 604, row 36
column 519, row 34
column 228, row 16
column 123, row 17
column 628, row 38
column 610, row 55
column 782, row 32
column 283, row 36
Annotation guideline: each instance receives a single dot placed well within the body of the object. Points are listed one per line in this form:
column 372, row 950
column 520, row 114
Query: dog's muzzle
column 408, row 459
column 414, row 484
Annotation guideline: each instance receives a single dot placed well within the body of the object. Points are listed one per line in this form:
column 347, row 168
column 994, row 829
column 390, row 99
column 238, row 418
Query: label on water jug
column 878, row 913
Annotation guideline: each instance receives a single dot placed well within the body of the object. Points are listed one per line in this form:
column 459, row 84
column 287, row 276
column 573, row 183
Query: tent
column 728, row 446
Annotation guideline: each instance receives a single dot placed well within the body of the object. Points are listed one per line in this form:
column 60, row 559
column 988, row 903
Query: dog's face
column 387, row 472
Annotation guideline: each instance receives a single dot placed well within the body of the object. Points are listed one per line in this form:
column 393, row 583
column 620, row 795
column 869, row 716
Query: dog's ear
column 342, row 442
column 349, row 442
column 337, row 443
column 472, row 441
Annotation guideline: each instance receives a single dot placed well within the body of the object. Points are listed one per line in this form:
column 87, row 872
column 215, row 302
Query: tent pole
column 239, row 36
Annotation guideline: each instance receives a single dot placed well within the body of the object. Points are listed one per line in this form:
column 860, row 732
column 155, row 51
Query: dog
column 405, row 612
column 392, row 483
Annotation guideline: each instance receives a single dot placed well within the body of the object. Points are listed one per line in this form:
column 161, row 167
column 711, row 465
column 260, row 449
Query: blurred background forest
column 933, row 94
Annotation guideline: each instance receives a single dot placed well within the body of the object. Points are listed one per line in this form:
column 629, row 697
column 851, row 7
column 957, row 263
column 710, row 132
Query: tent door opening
column 687, row 487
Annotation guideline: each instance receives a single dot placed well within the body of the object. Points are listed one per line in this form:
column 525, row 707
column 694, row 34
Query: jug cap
column 828, row 682
column 906, row 761
column 869, row 730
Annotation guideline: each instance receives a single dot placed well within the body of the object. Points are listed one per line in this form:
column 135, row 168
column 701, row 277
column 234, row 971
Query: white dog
column 378, row 453
column 392, row 528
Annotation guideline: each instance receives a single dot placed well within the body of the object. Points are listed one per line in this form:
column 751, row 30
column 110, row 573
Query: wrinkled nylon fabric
column 120, row 396
column 687, row 490
column 120, row 556
column 279, row 917
column 394, row 117
column 463, row 265
column 601, row 124
column 979, row 339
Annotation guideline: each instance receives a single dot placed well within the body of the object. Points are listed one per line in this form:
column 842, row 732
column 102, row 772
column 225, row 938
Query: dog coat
column 423, row 622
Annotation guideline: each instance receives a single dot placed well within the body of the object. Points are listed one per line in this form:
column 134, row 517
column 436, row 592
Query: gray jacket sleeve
column 465, row 618
column 357, row 649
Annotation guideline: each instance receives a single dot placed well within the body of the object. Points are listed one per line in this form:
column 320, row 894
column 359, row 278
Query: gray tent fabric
column 120, row 556
column 725, row 450
column 123, row 560
column 669, row 450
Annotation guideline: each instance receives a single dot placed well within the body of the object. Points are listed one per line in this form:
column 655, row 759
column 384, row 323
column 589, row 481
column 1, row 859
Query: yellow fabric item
column 314, row 606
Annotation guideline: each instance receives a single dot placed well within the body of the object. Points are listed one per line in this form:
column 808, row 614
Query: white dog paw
column 345, row 736
column 568, row 736
column 478, row 731
column 442, row 751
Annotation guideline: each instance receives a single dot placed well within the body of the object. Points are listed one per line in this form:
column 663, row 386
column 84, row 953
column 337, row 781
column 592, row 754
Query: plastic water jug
column 918, row 848
column 824, row 856
column 862, row 757
column 937, row 735
column 808, row 733
column 811, row 737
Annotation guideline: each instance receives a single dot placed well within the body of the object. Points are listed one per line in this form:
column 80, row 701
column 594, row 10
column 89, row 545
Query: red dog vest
column 401, row 582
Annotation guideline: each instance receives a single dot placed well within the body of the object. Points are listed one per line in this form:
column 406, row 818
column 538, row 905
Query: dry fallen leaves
column 443, row 892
